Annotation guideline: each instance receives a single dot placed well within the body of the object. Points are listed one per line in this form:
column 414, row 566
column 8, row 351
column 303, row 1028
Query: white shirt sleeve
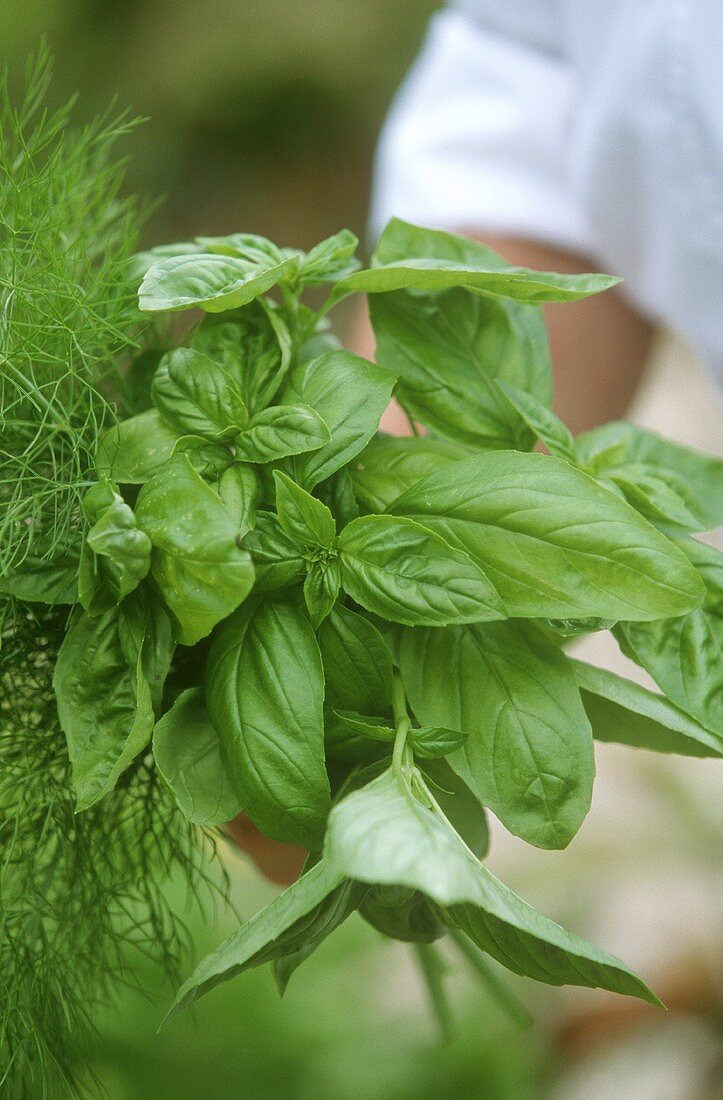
column 479, row 136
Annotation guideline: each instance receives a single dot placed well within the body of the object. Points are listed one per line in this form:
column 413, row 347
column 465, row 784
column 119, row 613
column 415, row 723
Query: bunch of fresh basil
column 360, row 640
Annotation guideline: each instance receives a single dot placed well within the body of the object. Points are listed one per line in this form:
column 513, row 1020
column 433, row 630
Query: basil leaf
column 547, row 427
column 37, row 581
column 247, row 246
column 134, row 450
column 448, row 349
column 459, row 805
column 685, row 655
column 617, row 444
column 104, row 704
column 145, row 625
column 377, row 729
column 276, row 556
column 414, row 257
column 321, row 589
column 208, row 281
column 350, row 394
column 551, row 540
column 239, row 491
column 660, row 496
column 430, row 742
column 270, row 933
column 357, row 663
column 529, row 753
column 402, row 914
column 281, row 430
column 187, row 751
column 201, row 571
column 329, row 260
column 303, row 517
column 265, row 695
column 255, row 350
column 387, row 467
column 196, row 396
column 621, row 710
column 382, row 834
column 404, row 572
column 116, row 538
column 208, row 459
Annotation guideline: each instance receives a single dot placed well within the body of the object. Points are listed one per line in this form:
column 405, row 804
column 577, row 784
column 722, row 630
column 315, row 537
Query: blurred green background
column 263, row 116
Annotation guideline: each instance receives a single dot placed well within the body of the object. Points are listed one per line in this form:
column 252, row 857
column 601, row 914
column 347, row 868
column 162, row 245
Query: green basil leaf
column 402, row 914
column 196, row 396
column 448, row 349
column 240, row 492
column 459, row 805
column 324, row 919
column 265, row 695
column 145, row 625
column 321, row 589
column 660, row 496
column 547, row 427
column 201, row 571
column 270, row 933
column 187, row 751
column 208, row 281
column 621, row 710
column 418, row 264
column 277, row 558
column 337, row 492
column 134, row 450
column 382, row 834
column 208, row 459
column 282, row 430
column 400, row 570
column 430, row 742
column 388, row 466
column 357, row 663
column 618, row 443
column 552, row 541
column 377, row 729
column 104, row 704
column 685, row 655
column 303, row 517
column 329, row 260
column 255, row 350
column 529, row 753
column 247, row 246
column 36, row 581
column 350, row 394
column 116, row 538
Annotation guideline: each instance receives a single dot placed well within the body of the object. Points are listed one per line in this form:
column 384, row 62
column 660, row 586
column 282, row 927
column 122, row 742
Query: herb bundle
column 358, row 640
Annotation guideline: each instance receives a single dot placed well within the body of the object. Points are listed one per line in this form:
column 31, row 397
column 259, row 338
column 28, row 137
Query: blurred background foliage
column 262, row 117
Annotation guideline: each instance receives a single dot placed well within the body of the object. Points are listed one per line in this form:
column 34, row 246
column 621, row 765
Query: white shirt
column 595, row 125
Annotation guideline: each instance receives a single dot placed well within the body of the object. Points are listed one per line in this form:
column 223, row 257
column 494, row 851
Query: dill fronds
column 68, row 314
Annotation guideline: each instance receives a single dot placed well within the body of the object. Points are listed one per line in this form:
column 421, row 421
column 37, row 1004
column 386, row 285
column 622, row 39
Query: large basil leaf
column 281, row 927
column 255, row 349
column 265, row 695
column 659, row 495
column 134, row 450
column 187, row 751
column 282, row 430
column 350, row 394
column 621, row 710
column 208, row 281
column 409, row 256
column 357, row 663
column 104, row 704
column 529, row 753
column 202, row 572
column 552, row 541
column 54, row 581
column 382, row 834
column 197, row 396
column 698, row 477
column 685, row 655
column 448, row 349
column 239, row 490
column 407, row 574
column 388, row 466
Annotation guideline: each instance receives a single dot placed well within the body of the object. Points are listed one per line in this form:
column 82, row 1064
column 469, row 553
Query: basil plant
column 359, row 640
